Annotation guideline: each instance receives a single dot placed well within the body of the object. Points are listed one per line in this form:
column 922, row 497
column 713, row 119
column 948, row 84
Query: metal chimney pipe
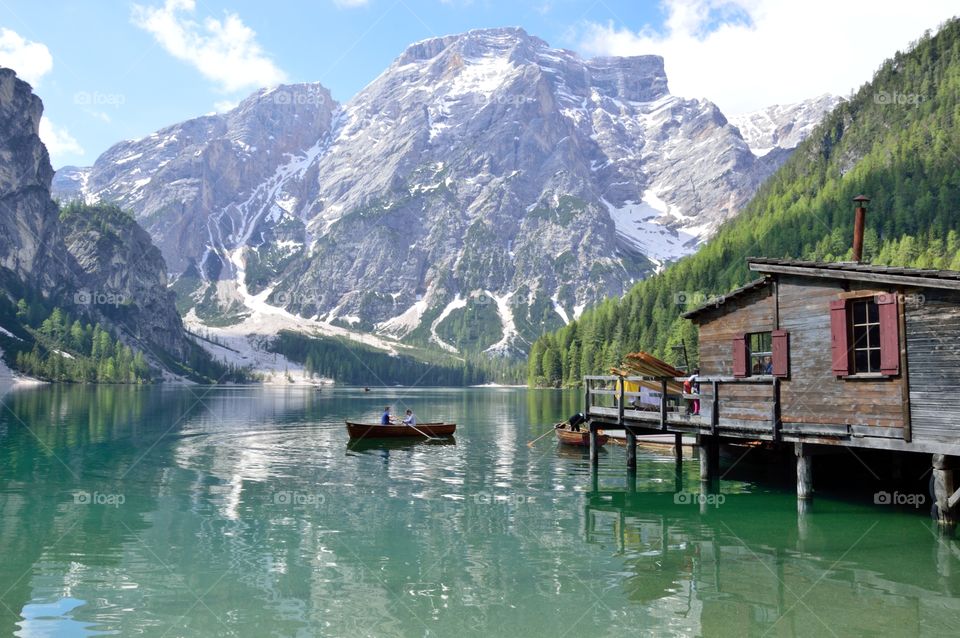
column 859, row 223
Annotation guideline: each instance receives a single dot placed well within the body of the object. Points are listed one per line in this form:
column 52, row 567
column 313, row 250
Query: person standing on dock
column 694, row 384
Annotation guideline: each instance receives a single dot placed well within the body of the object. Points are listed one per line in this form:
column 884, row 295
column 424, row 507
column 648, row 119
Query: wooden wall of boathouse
column 933, row 356
column 752, row 312
column 813, row 394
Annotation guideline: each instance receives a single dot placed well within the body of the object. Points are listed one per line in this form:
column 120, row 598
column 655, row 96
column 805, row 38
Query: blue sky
column 117, row 69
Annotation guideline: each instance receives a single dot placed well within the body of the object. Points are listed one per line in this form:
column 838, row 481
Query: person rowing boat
column 410, row 419
column 386, row 418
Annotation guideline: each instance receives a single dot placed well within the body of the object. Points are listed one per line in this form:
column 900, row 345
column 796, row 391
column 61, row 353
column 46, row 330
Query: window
column 762, row 353
column 866, row 336
column 760, row 348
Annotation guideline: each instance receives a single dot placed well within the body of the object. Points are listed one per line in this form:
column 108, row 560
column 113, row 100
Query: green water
column 218, row 511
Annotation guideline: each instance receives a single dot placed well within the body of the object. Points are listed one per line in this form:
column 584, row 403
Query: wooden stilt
column 944, row 486
column 803, row 522
column 707, row 469
column 632, row 480
column 594, row 448
column 678, row 449
column 631, row 440
column 804, row 472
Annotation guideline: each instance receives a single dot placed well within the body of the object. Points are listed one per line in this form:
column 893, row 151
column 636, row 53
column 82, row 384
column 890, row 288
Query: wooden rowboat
column 377, row 431
column 580, row 439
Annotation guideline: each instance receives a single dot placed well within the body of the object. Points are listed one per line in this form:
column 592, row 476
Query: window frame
column 751, row 355
column 865, row 328
column 889, row 308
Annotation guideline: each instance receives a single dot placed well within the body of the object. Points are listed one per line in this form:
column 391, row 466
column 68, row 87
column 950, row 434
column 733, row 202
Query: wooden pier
column 815, row 357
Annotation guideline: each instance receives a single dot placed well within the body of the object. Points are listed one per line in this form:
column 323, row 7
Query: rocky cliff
column 94, row 262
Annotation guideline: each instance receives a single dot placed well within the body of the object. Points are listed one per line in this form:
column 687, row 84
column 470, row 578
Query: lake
column 218, row 511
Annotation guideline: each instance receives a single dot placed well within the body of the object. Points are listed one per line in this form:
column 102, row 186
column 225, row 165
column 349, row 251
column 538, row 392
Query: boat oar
column 530, row 443
column 422, row 433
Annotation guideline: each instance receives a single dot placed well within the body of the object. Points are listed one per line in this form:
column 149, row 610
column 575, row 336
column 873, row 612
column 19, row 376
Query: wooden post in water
column 804, row 471
column 707, row 447
column 945, row 489
column 631, row 440
column 678, row 449
column 594, row 447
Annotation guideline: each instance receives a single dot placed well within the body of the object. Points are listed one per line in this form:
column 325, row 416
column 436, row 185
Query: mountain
column 91, row 263
column 781, row 128
column 896, row 140
column 484, row 188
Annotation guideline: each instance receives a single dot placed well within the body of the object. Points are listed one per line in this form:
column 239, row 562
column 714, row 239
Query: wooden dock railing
column 750, row 405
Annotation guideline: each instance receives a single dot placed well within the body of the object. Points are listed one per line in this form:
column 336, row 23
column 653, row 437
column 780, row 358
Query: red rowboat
column 580, row 439
column 377, row 431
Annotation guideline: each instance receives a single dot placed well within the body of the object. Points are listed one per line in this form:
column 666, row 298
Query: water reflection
column 245, row 512
column 828, row 568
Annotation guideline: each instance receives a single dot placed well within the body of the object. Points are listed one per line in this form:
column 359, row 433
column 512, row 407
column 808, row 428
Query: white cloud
column 351, row 4
column 58, row 141
column 225, row 51
column 222, row 106
column 31, row 60
column 748, row 54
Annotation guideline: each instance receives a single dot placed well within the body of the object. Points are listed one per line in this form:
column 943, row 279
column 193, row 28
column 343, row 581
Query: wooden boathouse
column 816, row 355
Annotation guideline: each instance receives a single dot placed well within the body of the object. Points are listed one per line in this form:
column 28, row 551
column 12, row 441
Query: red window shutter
column 889, row 333
column 740, row 356
column 839, row 343
column 781, row 353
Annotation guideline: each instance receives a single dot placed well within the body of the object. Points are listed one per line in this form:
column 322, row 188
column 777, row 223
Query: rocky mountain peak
column 484, row 188
column 783, row 126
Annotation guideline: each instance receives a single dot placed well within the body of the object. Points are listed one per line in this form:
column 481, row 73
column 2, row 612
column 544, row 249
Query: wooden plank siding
column 754, row 312
column 812, row 394
column 933, row 356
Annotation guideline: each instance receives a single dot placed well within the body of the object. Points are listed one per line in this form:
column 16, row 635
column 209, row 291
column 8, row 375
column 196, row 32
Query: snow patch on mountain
column 457, row 303
column 404, row 323
column 642, row 226
column 783, row 125
column 558, row 308
column 509, row 326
